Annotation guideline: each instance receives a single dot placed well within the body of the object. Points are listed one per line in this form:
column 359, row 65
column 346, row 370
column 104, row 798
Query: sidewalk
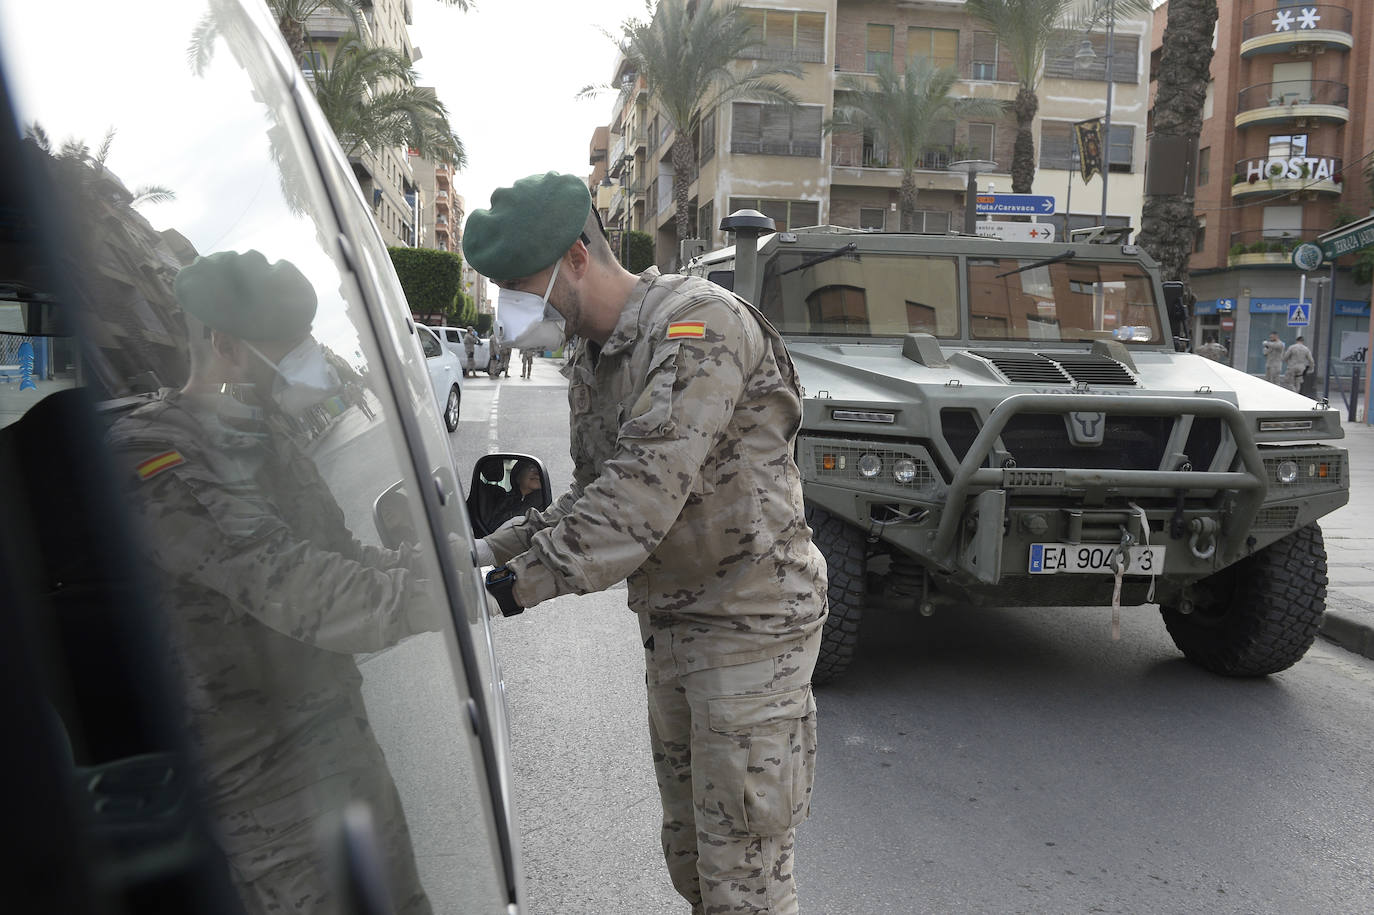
column 1349, row 535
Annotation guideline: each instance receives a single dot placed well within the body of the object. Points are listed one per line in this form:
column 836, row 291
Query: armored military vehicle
column 1013, row 424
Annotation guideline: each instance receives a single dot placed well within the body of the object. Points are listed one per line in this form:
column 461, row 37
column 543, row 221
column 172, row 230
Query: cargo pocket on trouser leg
column 754, row 764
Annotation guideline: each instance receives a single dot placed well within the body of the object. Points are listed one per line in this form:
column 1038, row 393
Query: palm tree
column 77, row 151
column 292, row 15
column 369, row 96
column 906, row 109
column 1028, row 30
column 686, row 53
column 1169, row 224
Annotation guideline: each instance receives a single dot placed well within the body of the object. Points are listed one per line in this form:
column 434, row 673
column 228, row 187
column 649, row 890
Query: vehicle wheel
column 845, row 560
column 451, row 408
column 1260, row 615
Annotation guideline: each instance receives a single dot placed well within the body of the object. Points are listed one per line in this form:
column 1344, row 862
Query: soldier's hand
column 501, row 586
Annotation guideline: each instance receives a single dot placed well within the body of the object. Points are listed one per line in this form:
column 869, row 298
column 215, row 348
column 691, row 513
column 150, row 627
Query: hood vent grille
column 1059, row 369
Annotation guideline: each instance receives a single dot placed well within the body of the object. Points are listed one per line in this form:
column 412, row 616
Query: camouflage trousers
column 734, row 753
column 280, row 854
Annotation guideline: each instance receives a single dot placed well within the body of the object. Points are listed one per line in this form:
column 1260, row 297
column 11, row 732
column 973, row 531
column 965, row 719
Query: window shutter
column 777, row 130
column 806, row 131
column 811, row 37
column 745, row 132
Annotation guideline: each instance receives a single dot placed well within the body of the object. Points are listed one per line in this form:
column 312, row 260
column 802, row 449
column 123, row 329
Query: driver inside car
column 269, row 595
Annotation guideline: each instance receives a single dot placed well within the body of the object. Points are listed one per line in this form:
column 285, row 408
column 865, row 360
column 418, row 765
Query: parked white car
column 445, row 372
column 482, row 357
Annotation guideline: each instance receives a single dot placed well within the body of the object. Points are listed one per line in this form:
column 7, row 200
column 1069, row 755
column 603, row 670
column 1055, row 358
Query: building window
column 786, row 214
column 931, row 222
column 1285, row 146
column 706, row 227
column 1201, row 237
column 706, row 138
column 1121, row 148
column 1056, row 144
column 980, row 141
column 879, row 49
column 781, row 35
column 985, row 56
column 1204, row 165
column 775, row 130
column 939, row 46
column 874, row 218
column 1283, row 220
column 1063, row 62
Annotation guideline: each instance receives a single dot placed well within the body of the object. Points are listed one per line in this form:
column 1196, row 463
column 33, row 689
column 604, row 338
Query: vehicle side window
column 429, row 344
column 451, row 336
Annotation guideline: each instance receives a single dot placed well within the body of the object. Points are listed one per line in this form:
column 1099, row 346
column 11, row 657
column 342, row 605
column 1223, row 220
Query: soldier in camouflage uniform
column 685, row 408
column 268, row 594
column 1213, row 350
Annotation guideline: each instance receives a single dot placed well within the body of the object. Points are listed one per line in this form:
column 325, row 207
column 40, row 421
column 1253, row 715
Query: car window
column 259, row 391
column 451, row 336
column 429, row 344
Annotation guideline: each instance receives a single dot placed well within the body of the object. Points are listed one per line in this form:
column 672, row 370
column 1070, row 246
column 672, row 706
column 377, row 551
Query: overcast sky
column 509, row 72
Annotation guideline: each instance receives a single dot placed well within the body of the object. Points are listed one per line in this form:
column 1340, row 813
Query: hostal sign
column 1316, row 169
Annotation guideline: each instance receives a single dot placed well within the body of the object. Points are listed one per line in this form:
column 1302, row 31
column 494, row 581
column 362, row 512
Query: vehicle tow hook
column 1204, row 532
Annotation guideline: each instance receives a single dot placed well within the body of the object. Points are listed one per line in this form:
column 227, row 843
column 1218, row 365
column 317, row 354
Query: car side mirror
column 1175, row 302
column 506, row 486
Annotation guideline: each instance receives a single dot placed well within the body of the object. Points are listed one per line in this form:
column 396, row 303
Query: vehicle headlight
column 904, row 471
column 1287, row 471
column 870, row 465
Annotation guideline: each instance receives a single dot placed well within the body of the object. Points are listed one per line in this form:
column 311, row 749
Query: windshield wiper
column 1066, row 255
column 821, row 258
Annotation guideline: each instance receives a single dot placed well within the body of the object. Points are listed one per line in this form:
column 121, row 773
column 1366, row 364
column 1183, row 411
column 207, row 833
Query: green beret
column 243, row 295
column 529, row 226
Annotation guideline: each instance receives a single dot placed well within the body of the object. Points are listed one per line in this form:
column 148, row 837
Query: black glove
column 501, row 585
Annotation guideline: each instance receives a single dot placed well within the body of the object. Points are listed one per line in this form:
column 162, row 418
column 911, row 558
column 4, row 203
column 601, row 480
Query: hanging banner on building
column 1088, row 136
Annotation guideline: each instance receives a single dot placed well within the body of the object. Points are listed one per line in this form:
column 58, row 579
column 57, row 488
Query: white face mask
column 530, row 321
column 304, row 377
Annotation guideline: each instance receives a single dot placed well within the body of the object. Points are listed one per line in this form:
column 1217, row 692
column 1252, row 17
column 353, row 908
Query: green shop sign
column 1350, row 237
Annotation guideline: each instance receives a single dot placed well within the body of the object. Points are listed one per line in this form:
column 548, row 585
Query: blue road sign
column 1299, row 314
column 1013, row 205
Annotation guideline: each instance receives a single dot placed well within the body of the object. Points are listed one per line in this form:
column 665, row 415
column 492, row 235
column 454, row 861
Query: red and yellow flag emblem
column 682, row 329
column 155, row 465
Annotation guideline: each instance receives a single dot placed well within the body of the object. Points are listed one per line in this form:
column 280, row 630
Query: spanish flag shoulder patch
column 155, row 465
column 679, row 330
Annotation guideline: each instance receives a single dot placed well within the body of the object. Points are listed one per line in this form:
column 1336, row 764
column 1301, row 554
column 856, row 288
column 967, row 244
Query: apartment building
column 385, row 175
column 781, row 161
column 1289, row 111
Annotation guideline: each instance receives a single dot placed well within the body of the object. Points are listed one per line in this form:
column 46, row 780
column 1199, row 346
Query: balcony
column 1310, row 28
column 1298, row 102
column 1301, row 176
column 1266, row 247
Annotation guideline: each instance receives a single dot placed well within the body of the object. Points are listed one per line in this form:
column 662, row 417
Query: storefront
column 1271, row 315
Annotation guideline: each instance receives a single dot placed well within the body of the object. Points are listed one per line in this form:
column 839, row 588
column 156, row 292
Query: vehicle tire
column 455, row 397
column 845, row 559
column 1260, row 615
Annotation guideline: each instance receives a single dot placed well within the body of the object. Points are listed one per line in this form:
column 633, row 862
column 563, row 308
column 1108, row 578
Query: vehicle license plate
column 1052, row 558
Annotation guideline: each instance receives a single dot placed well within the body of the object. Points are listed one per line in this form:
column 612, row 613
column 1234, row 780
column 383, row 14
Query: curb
column 1351, row 629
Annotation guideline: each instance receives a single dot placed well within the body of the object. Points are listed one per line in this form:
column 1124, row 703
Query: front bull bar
column 1250, row 483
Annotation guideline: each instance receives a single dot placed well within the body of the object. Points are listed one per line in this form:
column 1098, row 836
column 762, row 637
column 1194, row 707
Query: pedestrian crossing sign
column 1299, row 314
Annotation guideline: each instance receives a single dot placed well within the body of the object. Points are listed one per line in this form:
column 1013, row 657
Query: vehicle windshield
column 861, row 294
column 1070, row 301
column 865, row 294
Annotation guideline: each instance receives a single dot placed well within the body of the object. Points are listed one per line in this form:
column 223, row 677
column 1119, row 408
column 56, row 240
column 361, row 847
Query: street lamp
column 1083, row 56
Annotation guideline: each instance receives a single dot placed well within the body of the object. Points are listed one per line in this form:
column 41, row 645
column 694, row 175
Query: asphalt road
column 980, row 761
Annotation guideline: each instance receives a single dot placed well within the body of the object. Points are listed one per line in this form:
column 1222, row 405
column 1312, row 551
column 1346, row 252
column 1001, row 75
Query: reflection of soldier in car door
column 268, row 592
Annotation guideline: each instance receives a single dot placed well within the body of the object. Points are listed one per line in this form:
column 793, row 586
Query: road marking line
column 493, row 442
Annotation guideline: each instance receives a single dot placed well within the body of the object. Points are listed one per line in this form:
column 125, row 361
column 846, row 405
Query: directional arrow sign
column 1013, row 204
column 1015, row 231
column 1299, row 314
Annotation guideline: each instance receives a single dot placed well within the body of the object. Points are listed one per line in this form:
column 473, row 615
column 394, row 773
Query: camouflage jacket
column 267, row 593
column 683, row 427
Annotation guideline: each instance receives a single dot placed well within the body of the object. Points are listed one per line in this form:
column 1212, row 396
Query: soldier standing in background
column 1300, row 363
column 1212, row 350
column 685, row 409
column 269, row 595
column 1273, row 358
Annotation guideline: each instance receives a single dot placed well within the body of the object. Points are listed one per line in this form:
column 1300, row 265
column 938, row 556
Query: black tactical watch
column 501, row 585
